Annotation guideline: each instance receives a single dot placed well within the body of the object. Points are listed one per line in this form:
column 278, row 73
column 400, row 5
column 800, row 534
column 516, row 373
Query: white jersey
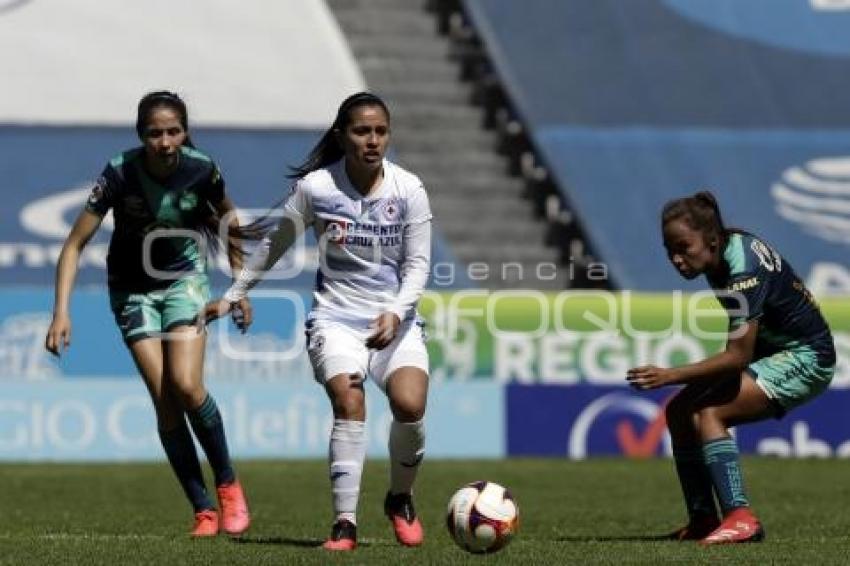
column 374, row 251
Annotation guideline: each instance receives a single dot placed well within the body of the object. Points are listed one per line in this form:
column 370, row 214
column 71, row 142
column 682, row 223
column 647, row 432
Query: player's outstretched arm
column 269, row 251
column 59, row 333
column 730, row 362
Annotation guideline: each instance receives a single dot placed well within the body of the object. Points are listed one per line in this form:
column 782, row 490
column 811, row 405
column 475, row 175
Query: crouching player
column 779, row 354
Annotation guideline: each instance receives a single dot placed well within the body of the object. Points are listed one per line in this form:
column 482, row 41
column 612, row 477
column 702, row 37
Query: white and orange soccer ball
column 482, row 517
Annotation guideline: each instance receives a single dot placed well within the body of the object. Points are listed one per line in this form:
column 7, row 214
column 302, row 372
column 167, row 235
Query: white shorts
column 336, row 347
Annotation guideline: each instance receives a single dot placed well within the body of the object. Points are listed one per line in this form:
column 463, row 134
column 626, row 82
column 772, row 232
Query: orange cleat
column 697, row 528
column 343, row 536
column 235, row 518
column 740, row 525
column 206, row 523
column 399, row 509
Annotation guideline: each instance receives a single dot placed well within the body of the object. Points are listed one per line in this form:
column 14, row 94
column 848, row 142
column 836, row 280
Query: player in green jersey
column 167, row 200
column 779, row 354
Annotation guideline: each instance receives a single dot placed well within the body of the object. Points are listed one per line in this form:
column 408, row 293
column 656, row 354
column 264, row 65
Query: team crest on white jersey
column 335, row 232
column 390, row 210
column 363, row 263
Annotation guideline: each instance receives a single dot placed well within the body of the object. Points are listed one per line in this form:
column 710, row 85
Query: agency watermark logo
column 357, row 252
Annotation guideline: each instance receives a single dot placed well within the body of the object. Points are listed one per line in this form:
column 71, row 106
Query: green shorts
column 791, row 377
column 151, row 314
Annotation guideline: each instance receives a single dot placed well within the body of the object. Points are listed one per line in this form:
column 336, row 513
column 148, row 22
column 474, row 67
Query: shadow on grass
column 285, row 541
column 618, row 538
column 291, row 541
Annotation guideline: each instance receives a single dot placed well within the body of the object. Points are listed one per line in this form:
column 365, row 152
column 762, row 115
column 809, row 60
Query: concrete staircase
column 438, row 135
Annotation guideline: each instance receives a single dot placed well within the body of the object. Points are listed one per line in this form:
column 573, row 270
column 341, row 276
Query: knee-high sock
column 180, row 449
column 721, row 457
column 346, row 454
column 407, row 448
column 209, row 429
column 695, row 480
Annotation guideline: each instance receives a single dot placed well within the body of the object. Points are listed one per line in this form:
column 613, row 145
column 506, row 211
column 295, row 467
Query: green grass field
column 595, row 512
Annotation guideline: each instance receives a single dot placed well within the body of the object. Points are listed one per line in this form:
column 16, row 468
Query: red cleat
column 697, row 528
column 399, row 509
column 235, row 518
column 343, row 536
column 740, row 525
column 206, row 524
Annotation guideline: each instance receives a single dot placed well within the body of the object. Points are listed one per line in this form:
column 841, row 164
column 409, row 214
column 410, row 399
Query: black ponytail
column 328, row 150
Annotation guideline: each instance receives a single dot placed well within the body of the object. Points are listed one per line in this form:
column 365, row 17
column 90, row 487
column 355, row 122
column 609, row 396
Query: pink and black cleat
column 399, row 509
column 343, row 536
column 740, row 525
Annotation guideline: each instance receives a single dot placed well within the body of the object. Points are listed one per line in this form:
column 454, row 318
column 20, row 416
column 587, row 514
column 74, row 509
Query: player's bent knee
column 349, row 411
column 710, row 422
column 408, row 413
column 407, row 405
column 349, row 405
column 706, row 414
column 407, row 391
column 190, row 394
column 695, row 420
column 679, row 414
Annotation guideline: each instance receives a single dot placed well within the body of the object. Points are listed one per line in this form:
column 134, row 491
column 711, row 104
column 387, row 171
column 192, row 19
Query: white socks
column 345, row 458
column 407, row 448
column 348, row 451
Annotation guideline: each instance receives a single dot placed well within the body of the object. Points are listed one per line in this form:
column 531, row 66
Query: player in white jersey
column 373, row 223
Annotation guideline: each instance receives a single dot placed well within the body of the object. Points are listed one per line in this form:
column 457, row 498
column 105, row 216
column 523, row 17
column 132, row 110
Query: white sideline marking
column 82, row 536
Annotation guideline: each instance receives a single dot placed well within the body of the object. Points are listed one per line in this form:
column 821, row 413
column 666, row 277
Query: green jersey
column 157, row 237
column 772, row 293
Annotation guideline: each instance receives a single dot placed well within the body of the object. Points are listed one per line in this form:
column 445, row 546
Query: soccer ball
column 482, row 517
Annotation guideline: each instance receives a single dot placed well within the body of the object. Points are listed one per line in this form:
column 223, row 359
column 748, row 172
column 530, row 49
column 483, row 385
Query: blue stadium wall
column 637, row 102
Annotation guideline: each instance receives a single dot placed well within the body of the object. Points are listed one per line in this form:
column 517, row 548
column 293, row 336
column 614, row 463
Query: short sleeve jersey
column 361, row 238
column 772, row 293
column 141, row 204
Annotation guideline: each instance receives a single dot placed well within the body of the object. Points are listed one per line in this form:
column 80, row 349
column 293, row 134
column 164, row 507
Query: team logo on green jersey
column 97, row 193
column 744, row 284
column 188, row 200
